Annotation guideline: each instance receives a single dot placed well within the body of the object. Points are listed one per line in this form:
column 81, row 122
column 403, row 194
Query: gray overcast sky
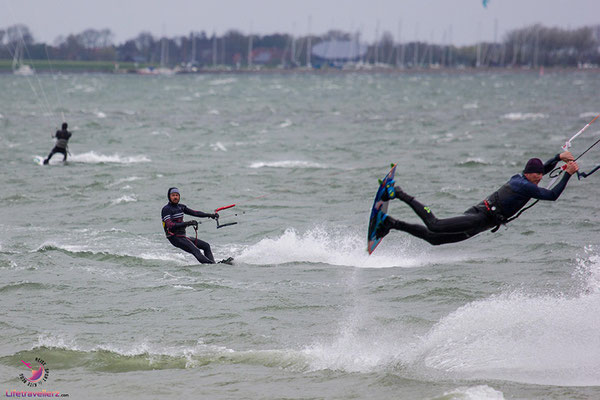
column 425, row 20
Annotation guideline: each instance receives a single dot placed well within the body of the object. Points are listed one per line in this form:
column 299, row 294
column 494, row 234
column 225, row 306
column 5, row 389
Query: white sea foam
column 99, row 114
column 470, row 106
column 286, row 164
column 481, row 392
column 588, row 271
column 101, row 246
column 319, row 245
column 285, row 124
column 218, row 146
column 547, row 339
column 183, row 287
column 473, row 160
column 124, row 199
column 57, row 341
column 354, row 350
column 128, row 179
column 524, row 116
column 92, row 157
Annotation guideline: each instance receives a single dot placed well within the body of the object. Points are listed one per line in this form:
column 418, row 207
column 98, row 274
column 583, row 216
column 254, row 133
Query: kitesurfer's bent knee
column 54, row 151
column 194, row 247
column 205, row 247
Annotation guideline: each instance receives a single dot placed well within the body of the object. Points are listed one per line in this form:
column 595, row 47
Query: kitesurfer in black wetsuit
column 61, row 146
column 172, row 217
column 495, row 210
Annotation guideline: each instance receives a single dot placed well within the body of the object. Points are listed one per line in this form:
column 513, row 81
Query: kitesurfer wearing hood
column 492, row 212
column 174, row 226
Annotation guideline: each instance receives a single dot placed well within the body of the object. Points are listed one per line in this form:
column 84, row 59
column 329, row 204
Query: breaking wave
column 319, row 245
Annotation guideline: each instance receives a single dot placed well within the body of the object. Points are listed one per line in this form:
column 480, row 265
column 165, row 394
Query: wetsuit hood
column 172, row 190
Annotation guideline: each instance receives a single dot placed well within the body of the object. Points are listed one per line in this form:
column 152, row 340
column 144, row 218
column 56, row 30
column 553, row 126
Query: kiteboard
column 228, row 261
column 39, row 160
column 378, row 205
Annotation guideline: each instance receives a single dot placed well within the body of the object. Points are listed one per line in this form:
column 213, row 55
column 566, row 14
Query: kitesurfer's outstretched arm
column 199, row 214
column 532, row 190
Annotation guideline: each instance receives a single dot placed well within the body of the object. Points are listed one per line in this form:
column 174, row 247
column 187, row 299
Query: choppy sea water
column 90, row 285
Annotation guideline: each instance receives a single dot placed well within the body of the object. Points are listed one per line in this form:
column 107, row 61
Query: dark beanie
column 64, row 125
column 534, row 166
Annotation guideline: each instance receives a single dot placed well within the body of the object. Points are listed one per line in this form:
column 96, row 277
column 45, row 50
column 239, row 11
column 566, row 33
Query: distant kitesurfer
column 492, row 212
column 174, row 226
column 62, row 137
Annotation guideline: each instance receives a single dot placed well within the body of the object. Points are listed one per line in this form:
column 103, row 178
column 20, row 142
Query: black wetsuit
column 172, row 217
column 62, row 137
column 494, row 210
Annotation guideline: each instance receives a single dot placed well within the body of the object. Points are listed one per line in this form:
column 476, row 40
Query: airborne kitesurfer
column 174, row 226
column 492, row 212
column 62, row 137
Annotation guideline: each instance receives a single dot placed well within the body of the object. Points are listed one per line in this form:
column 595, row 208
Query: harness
column 62, row 139
column 512, row 200
column 495, row 212
column 61, row 143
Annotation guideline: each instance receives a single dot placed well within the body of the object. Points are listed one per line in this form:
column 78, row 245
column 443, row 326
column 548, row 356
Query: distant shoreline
column 68, row 67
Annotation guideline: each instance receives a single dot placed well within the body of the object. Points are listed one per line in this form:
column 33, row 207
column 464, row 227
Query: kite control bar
column 224, row 208
column 221, row 209
column 584, row 175
column 555, row 173
column 568, row 142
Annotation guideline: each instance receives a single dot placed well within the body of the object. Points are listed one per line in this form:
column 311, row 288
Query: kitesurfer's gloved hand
column 215, row 216
column 572, row 167
column 566, row 156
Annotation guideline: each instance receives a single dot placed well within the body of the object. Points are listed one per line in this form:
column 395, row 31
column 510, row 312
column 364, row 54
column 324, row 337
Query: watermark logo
column 39, row 373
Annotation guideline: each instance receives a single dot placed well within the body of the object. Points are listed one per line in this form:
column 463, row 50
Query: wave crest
column 146, row 356
column 286, row 164
column 549, row 339
column 524, row 116
column 92, row 157
column 333, row 247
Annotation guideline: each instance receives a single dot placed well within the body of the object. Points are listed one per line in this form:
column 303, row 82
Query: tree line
column 531, row 46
